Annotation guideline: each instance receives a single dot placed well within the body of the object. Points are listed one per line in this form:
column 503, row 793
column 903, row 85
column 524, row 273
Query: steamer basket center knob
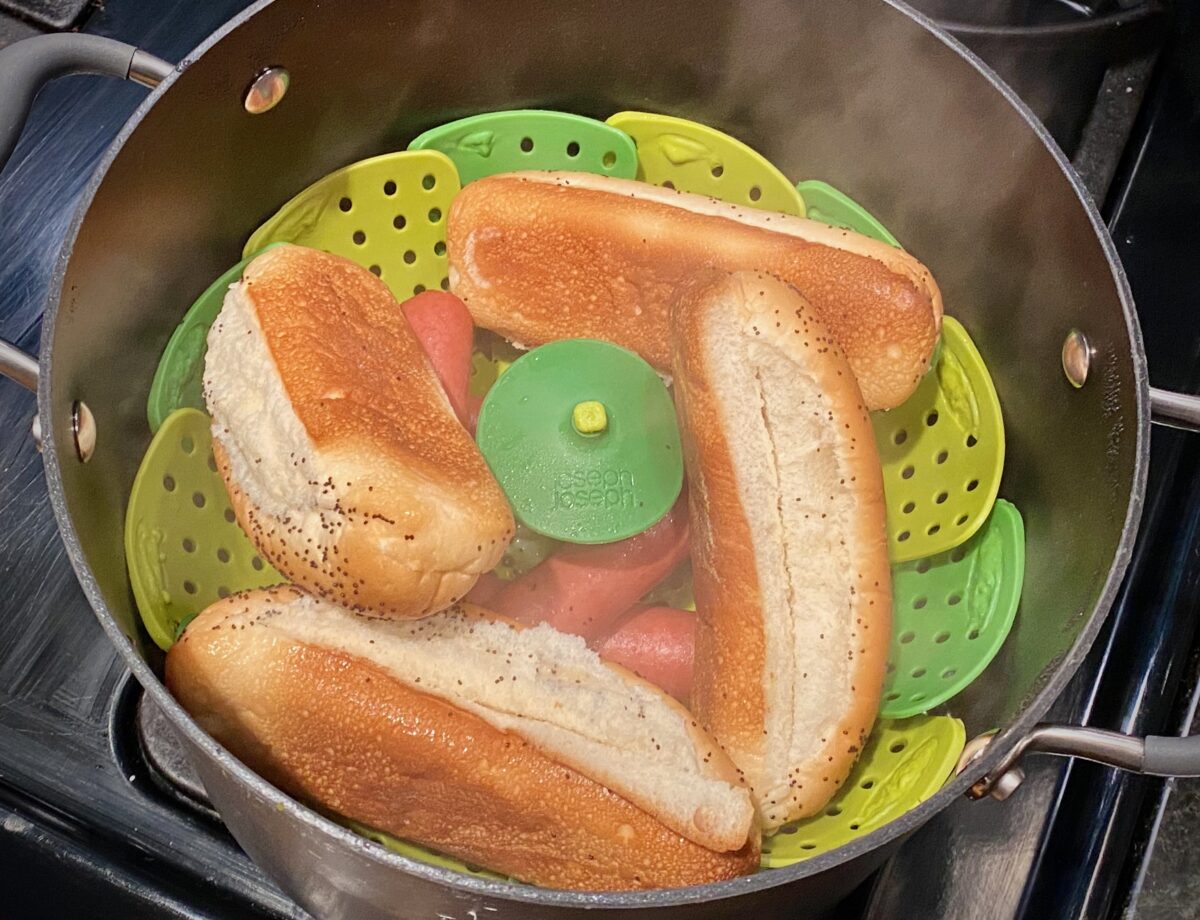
column 581, row 435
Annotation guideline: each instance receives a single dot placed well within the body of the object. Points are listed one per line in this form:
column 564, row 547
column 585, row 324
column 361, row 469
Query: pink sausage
column 584, row 590
column 444, row 328
column 474, row 404
column 485, row 590
column 656, row 643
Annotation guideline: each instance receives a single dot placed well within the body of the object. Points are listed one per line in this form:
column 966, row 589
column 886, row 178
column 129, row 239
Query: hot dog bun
column 789, row 553
column 516, row 749
column 538, row 256
column 341, row 454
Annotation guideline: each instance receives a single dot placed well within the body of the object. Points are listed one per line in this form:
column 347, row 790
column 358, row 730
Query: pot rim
column 519, row 892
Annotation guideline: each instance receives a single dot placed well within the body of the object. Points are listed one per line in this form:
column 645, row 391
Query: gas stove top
column 91, row 829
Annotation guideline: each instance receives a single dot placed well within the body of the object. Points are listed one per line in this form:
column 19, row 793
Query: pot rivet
column 1076, row 358
column 1006, row 784
column 36, row 431
column 83, row 427
column 266, row 91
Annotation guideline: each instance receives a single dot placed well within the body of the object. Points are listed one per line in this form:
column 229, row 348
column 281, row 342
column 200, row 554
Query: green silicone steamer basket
column 957, row 552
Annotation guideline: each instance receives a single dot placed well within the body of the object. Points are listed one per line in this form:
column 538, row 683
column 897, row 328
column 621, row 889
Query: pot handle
column 19, row 366
column 27, row 65
column 1175, row 410
column 1155, row 755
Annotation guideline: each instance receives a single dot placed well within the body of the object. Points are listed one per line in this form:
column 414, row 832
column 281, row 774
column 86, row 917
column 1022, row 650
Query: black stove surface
column 51, row 14
column 87, row 831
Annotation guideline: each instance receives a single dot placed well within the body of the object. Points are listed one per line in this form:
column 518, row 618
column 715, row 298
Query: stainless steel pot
column 863, row 93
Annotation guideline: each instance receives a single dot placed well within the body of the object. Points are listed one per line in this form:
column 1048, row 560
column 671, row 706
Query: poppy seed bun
column 342, row 457
column 517, row 749
column 538, row 256
column 789, row 552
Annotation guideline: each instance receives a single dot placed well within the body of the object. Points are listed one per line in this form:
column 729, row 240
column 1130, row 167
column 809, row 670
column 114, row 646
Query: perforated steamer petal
column 183, row 546
column 691, row 157
column 499, row 142
column 387, row 213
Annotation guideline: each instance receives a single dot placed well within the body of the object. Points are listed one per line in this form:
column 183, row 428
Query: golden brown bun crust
column 422, row 514
column 727, row 689
column 730, row 688
column 339, row 732
column 544, row 256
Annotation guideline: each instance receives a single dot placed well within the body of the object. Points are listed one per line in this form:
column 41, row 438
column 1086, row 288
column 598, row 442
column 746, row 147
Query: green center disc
column 582, row 437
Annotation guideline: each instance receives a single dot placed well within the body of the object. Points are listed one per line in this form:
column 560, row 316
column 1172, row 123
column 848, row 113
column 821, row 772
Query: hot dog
column 446, row 332
column 656, row 643
column 486, row 589
column 582, row 590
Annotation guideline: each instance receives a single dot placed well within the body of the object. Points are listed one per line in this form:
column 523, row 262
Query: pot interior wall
column 853, row 92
